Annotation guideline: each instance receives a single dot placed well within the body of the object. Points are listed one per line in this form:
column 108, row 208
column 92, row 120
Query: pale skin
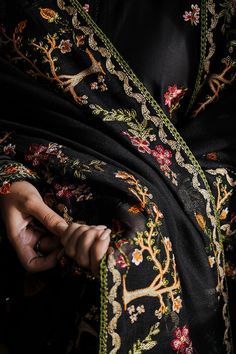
column 84, row 243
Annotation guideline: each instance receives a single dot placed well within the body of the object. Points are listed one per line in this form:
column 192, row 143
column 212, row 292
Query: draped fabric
column 137, row 136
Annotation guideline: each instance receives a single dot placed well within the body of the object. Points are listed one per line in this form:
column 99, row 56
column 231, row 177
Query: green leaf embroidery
column 148, row 343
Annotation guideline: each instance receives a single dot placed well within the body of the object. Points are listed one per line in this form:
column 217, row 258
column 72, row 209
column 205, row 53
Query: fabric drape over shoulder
column 153, row 159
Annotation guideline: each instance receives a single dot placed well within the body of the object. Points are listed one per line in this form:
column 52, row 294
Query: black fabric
column 162, row 53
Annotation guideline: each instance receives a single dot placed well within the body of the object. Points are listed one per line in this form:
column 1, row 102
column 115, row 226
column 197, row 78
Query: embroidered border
column 160, row 120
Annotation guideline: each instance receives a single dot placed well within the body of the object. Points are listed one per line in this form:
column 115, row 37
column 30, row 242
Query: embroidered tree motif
column 161, row 257
column 49, row 48
column 217, row 83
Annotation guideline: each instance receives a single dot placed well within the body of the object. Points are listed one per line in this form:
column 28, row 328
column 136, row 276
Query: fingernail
column 101, row 227
column 105, row 235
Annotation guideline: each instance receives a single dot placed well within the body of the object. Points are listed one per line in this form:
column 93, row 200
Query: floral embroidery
column 173, row 96
column 142, row 145
column 134, row 313
column 86, row 7
column 193, row 15
column 177, row 304
column 81, row 193
column 140, row 135
column 9, row 149
column 182, row 343
column 11, row 172
column 47, row 54
column 147, row 243
column 121, row 262
column 137, row 257
column 65, row 46
column 39, row 153
column 212, row 156
column 224, row 213
column 162, row 156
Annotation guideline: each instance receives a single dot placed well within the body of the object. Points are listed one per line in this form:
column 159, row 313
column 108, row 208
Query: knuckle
column 49, row 219
column 29, row 202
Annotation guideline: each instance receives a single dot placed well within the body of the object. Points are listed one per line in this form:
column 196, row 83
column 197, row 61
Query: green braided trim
column 203, row 46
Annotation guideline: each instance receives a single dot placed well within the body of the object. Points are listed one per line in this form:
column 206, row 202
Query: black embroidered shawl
column 102, row 150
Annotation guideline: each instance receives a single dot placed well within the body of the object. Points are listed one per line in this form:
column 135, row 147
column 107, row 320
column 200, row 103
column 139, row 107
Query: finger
column 84, row 245
column 47, row 217
column 48, row 244
column 72, row 230
column 98, row 250
column 32, row 262
column 39, row 264
column 75, row 241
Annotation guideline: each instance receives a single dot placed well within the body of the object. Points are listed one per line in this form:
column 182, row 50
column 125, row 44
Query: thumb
column 39, row 264
column 48, row 218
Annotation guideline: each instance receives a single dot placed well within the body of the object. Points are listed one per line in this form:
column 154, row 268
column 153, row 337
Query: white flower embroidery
column 137, row 257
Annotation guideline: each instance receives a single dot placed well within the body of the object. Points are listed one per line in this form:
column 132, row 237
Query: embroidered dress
column 124, row 117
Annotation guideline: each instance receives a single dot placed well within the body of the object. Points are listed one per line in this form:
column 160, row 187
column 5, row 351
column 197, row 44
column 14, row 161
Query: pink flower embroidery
column 172, row 97
column 162, row 155
column 182, row 343
column 192, row 16
column 86, row 7
column 37, row 153
column 64, row 191
column 120, row 261
column 65, row 46
column 142, row 145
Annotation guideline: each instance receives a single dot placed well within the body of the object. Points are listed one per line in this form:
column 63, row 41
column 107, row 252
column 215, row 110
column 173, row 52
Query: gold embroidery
column 117, row 310
column 217, row 83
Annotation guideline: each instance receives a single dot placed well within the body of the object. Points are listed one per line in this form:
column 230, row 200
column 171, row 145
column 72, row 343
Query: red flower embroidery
column 120, row 243
column 172, row 97
column 182, row 343
column 37, row 153
column 162, row 155
column 142, row 145
column 212, row 156
column 64, row 191
column 192, row 16
column 9, row 170
column 4, row 189
column 120, row 261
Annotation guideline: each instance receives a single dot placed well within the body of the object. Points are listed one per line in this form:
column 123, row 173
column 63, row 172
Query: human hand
column 86, row 244
column 19, row 208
